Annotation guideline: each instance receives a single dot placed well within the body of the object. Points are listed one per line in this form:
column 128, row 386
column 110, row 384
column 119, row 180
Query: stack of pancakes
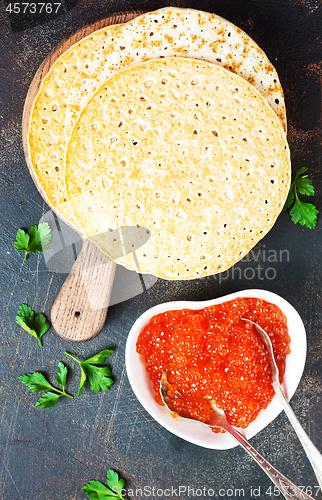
column 174, row 121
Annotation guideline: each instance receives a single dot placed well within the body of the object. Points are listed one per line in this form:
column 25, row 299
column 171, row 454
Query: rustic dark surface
column 49, row 454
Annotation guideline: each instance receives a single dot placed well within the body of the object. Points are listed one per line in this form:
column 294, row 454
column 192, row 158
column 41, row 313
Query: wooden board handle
column 80, row 309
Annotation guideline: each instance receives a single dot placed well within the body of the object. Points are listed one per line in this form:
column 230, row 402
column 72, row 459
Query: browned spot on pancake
column 169, row 38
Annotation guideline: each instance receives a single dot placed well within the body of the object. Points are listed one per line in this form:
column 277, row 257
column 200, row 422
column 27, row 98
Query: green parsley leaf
column 301, row 212
column 114, row 482
column 36, row 239
column 98, row 376
column 22, row 240
column 300, row 172
column 48, row 400
column 36, row 325
column 100, row 357
column 289, row 199
column 95, row 490
column 36, row 382
column 304, row 186
column 304, row 213
column 83, row 380
column 61, row 374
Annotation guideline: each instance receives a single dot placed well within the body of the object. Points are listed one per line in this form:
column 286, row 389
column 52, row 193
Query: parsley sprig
column 36, row 325
column 98, row 376
column 301, row 212
column 95, row 490
column 35, row 240
column 36, row 382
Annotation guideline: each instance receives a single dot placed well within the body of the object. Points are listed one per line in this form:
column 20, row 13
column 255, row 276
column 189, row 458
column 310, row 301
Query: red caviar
column 212, row 354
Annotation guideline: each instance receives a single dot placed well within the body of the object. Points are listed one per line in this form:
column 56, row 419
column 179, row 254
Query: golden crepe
column 51, row 121
column 78, row 74
column 187, row 149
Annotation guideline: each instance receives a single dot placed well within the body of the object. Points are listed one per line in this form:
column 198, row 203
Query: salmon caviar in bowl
column 251, row 418
column 211, row 353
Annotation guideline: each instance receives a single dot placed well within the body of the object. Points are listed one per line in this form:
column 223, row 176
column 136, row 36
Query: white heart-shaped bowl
column 193, row 431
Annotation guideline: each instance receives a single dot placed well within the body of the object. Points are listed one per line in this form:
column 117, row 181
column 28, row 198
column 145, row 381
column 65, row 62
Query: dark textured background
column 49, row 454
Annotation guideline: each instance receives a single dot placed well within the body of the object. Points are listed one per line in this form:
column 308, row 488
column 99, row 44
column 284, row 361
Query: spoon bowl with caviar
column 189, row 408
column 216, row 353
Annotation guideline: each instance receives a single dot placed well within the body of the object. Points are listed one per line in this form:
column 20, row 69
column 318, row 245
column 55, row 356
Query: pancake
column 190, row 151
column 51, row 122
column 172, row 31
column 76, row 76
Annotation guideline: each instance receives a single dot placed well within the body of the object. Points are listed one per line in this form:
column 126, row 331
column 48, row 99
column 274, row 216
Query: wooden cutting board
column 80, row 309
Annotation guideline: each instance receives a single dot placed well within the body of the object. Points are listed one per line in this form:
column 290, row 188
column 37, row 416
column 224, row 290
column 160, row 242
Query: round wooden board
column 80, row 309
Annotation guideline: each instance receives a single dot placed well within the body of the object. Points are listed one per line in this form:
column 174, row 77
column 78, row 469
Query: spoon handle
column 311, row 451
column 288, row 489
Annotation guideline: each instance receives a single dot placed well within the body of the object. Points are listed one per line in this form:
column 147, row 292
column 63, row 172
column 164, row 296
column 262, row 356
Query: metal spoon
column 311, row 451
column 286, row 487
